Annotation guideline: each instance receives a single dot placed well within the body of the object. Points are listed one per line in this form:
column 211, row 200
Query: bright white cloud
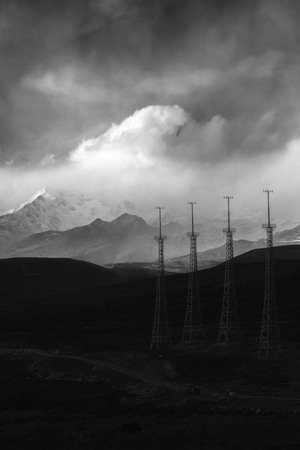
column 156, row 120
column 140, row 135
column 142, row 160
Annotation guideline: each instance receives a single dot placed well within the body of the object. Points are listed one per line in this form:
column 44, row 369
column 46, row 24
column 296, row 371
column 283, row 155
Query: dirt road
column 105, row 365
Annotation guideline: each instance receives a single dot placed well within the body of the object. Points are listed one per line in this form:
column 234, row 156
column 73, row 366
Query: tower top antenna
column 192, row 206
column 159, row 218
column 228, row 198
column 268, row 191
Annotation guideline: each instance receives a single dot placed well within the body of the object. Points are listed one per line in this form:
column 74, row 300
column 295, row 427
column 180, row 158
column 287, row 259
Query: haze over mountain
column 56, row 223
column 127, row 238
column 57, row 210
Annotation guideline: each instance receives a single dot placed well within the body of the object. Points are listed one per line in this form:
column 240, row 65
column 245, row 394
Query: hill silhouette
column 79, row 354
column 80, row 295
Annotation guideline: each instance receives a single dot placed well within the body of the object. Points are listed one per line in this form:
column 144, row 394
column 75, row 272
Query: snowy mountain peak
column 45, row 193
column 57, row 210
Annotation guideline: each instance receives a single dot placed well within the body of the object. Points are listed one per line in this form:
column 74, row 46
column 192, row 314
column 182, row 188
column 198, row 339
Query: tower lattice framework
column 193, row 324
column 229, row 329
column 161, row 338
column 269, row 341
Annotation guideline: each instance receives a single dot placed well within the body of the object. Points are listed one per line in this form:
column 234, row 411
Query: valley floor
column 49, row 400
column 82, row 376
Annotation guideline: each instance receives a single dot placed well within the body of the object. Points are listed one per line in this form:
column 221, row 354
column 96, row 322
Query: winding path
column 105, row 365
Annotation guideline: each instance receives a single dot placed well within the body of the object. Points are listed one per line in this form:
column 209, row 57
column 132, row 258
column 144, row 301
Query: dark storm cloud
column 69, row 69
column 32, row 35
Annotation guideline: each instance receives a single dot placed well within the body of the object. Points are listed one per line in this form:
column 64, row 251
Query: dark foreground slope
column 49, row 400
column 84, row 296
column 40, row 277
column 27, row 278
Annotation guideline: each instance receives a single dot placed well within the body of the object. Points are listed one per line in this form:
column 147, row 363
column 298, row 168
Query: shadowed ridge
column 54, row 274
column 284, row 252
column 130, row 224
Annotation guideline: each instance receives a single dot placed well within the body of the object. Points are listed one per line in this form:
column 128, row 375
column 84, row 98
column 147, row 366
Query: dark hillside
column 66, row 394
column 39, row 277
column 107, row 312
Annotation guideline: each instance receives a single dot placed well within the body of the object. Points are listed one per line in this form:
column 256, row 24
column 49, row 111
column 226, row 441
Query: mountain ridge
column 59, row 224
column 51, row 209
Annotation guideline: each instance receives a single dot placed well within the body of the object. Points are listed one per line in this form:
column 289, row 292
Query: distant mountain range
column 101, row 242
column 53, row 210
column 54, row 223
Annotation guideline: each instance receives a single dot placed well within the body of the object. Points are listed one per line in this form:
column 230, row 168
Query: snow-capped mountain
column 55, row 210
column 248, row 226
column 62, row 224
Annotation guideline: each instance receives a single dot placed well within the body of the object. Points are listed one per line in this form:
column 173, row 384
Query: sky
column 157, row 102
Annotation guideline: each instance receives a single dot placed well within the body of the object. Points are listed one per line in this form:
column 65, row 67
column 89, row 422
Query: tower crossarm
column 160, row 238
column 266, row 226
column 229, row 230
column 192, row 234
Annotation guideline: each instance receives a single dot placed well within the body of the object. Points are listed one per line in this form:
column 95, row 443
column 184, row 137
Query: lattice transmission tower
column 229, row 329
column 269, row 341
column 161, row 338
column 193, row 323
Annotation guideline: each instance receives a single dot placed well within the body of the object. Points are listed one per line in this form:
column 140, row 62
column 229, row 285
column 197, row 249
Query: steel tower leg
column 269, row 341
column 193, row 323
column 229, row 329
column 160, row 334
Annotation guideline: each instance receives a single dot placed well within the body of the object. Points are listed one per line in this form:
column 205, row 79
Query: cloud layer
column 141, row 159
column 69, row 70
